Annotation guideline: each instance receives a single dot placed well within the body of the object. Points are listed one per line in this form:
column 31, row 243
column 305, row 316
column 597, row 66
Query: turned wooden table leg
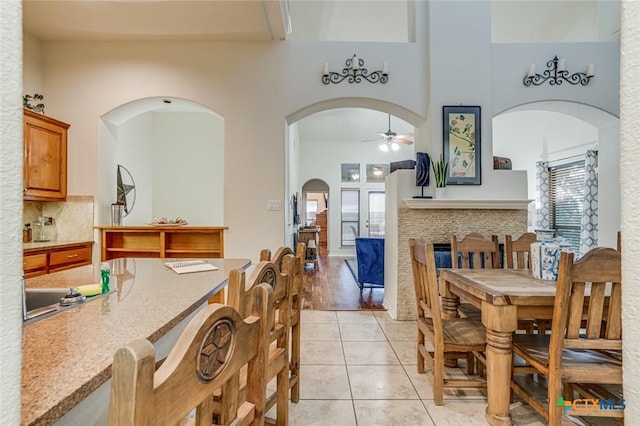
column 500, row 321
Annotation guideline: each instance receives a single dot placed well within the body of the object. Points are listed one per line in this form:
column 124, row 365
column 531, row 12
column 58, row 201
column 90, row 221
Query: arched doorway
column 559, row 131
column 315, row 202
column 174, row 149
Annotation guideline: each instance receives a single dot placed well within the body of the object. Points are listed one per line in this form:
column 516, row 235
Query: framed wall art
column 461, row 131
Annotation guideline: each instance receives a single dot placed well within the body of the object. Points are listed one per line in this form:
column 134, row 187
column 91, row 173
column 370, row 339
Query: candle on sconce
column 325, row 68
column 591, row 69
column 561, row 66
column 385, row 68
column 532, row 70
column 354, row 62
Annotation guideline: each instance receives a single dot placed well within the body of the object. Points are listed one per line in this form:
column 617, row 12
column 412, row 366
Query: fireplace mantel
column 422, row 203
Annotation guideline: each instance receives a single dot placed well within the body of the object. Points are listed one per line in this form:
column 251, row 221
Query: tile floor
column 359, row 368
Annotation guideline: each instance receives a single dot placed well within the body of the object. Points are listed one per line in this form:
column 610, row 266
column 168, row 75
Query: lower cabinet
column 52, row 259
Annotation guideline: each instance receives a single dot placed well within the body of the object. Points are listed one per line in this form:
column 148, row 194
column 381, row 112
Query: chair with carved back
column 476, row 252
column 296, row 307
column 518, row 256
column 214, row 346
column 585, row 340
column 450, row 338
column 240, row 298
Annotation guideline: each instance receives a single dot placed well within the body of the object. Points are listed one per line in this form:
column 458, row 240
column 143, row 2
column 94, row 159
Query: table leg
column 449, row 301
column 501, row 322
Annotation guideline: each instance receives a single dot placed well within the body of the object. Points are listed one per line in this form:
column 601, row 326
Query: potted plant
column 440, row 172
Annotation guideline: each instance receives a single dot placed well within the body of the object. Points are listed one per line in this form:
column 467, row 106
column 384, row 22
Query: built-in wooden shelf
column 162, row 241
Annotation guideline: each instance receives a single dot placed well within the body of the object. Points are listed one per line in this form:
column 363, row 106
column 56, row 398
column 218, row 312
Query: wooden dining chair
column 296, row 307
column 476, row 252
column 586, row 335
column 455, row 337
column 240, row 297
column 518, row 256
column 518, row 250
column 215, row 345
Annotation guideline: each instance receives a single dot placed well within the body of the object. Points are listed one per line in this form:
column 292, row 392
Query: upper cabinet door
column 45, row 158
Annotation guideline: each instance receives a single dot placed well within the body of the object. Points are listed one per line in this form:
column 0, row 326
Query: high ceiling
column 129, row 20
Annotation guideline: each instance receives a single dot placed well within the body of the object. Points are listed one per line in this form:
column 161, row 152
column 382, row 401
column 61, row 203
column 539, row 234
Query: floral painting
column 462, row 144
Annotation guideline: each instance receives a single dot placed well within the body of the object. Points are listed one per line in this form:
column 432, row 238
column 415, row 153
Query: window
column 350, row 172
column 566, row 193
column 349, row 216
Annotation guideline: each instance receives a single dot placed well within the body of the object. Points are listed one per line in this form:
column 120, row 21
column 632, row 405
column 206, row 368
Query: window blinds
column 566, row 193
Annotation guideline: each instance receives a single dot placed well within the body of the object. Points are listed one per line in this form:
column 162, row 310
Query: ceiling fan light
column 384, row 147
column 395, row 146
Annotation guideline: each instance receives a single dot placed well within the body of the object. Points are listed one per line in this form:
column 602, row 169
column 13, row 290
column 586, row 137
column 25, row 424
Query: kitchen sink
column 40, row 303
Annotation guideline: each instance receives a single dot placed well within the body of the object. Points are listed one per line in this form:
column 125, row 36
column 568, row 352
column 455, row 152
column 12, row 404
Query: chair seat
column 535, row 347
column 459, row 332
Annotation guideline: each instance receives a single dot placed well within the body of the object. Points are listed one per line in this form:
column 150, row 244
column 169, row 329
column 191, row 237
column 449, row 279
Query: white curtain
column 589, row 225
column 542, row 195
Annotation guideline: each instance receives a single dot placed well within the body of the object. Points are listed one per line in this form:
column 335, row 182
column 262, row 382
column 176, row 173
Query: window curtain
column 589, row 224
column 542, row 195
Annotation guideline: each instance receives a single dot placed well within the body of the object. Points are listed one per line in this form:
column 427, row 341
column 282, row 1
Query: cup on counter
column 117, row 213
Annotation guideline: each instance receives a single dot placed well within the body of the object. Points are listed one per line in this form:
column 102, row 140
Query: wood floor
column 332, row 287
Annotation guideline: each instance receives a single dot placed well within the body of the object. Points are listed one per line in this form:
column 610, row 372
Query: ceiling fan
column 391, row 139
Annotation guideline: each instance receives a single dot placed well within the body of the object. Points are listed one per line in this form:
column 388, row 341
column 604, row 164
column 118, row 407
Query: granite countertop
column 31, row 247
column 67, row 356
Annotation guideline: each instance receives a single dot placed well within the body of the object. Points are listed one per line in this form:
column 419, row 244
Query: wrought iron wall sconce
column 354, row 72
column 556, row 73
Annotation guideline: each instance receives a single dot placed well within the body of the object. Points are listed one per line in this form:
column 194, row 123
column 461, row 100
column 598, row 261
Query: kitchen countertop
column 67, row 356
column 32, row 247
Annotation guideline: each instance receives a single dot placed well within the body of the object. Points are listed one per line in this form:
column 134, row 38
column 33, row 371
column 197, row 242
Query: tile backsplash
column 73, row 218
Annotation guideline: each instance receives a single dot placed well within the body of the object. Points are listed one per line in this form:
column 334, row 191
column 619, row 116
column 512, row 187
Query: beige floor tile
column 356, row 317
column 324, row 382
column 458, row 412
column 369, row 353
column 319, row 332
column 400, row 331
column 383, row 316
column 362, row 333
column 388, row 412
column 424, row 385
column 380, row 382
column 312, row 412
column 324, row 353
column 406, row 352
column 318, row 317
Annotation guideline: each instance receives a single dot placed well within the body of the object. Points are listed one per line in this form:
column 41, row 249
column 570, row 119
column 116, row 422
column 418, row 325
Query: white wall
column 629, row 158
column 11, row 156
column 176, row 160
column 134, row 150
column 188, row 167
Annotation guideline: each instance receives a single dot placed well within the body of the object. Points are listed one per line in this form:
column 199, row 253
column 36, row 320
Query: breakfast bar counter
column 69, row 355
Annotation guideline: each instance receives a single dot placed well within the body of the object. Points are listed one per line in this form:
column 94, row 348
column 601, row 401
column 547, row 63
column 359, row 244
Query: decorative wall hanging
column 556, row 73
column 461, row 149
column 354, row 72
column 26, row 102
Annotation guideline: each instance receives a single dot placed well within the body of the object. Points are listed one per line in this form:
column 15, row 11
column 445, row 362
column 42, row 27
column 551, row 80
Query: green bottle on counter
column 105, row 272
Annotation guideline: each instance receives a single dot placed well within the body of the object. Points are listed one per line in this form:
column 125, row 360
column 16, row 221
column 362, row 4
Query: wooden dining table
column 503, row 295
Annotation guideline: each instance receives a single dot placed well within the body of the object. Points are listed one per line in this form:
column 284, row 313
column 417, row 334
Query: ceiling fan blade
column 405, row 136
column 403, row 141
column 373, row 140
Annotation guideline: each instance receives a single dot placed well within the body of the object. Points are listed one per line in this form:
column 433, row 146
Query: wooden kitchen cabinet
column 45, row 158
column 162, row 241
column 51, row 259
